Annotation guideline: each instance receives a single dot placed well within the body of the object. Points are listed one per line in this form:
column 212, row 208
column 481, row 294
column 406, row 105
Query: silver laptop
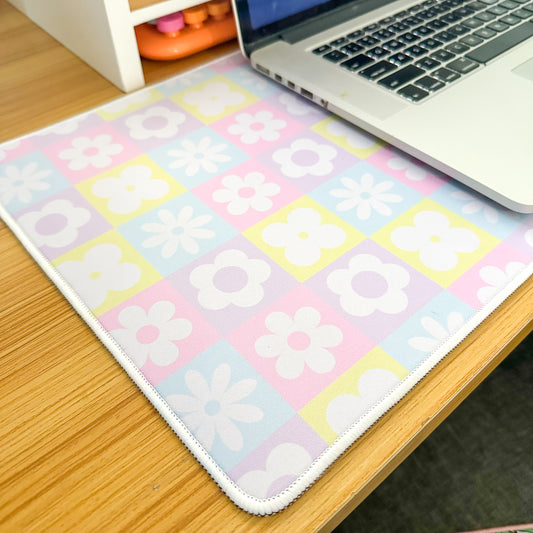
column 447, row 81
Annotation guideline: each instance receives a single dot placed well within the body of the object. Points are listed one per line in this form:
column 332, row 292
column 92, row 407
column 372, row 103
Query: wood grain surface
column 81, row 449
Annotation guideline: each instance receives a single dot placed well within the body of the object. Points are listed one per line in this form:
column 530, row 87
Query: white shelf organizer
column 101, row 32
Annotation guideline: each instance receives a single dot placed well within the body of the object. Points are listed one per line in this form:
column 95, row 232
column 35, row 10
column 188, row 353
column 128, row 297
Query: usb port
column 306, row 93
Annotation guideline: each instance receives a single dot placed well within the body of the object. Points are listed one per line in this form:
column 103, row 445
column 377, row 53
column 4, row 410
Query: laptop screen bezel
column 253, row 38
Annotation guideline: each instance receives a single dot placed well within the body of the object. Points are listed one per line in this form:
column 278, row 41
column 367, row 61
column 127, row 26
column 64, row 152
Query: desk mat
column 271, row 277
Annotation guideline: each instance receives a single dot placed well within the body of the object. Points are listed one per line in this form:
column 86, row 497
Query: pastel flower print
column 214, row 98
column 303, row 236
column 496, row 279
column 412, row 170
column 126, row 193
column 474, row 204
column 346, row 409
column 20, row 183
column 286, row 461
column 355, row 137
column 438, row 333
column 151, row 334
column 293, row 104
column 94, row 152
column 66, row 127
column 202, row 156
column 6, row 147
column 248, row 192
column 253, row 128
column 232, row 279
column 365, row 197
column 369, row 285
column 437, row 243
column 299, row 341
column 174, row 232
column 305, row 157
column 56, row 225
column 156, row 121
column 99, row 272
column 216, row 408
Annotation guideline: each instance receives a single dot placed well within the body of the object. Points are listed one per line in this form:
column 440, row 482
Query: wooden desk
column 81, row 449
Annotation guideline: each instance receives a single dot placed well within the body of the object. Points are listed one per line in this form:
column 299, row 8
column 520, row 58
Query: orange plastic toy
column 187, row 32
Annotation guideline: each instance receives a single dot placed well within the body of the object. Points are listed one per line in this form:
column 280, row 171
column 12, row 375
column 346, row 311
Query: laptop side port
column 306, row 93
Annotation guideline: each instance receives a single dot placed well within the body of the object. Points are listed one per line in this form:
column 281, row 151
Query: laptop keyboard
column 431, row 45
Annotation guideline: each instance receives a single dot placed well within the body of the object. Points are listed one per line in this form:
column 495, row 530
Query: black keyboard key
column 463, row 65
column 352, row 48
column 522, row 14
column 497, row 10
column 472, row 23
column 377, row 52
column 408, row 38
column 445, row 36
column 458, row 30
column 471, row 40
column 398, row 27
column 373, row 72
column 423, row 31
column 476, row 6
column 400, row 59
column 355, row 34
column 427, row 63
column 335, row 56
column 457, row 48
column 371, row 27
column 501, row 44
column 357, row 62
column 509, row 4
column 485, row 33
column 368, row 41
column 383, row 35
column 429, row 84
column 510, row 20
column 339, row 41
column 416, row 51
column 442, row 55
column 415, row 94
column 485, row 16
column 321, row 49
column 393, row 45
column 412, row 21
column 436, row 25
column 430, row 43
column 464, row 11
column 386, row 20
column 445, row 75
column 401, row 77
column 450, row 18
column 497, row 26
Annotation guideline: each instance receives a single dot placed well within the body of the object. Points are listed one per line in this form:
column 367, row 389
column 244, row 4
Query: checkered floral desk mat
column 272, row 278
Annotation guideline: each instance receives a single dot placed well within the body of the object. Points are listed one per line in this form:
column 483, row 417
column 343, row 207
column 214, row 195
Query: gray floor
column 475, row 471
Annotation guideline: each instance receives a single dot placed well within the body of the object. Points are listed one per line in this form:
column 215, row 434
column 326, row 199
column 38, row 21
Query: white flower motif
column 303, row 236
column 233, row 279
column 214, row 408
column 121, row 104
column 304, row 157
column 156, row 121
column 56, row 224
column 64, row 128
column 99, row 272
column 365, row 196
column 12, row 145
column 96, row 152
column 369, row 285
column 214, row 98
column 355, row 137
column 253, row 128
column 19, row 183
column 153, row 334
column 438, row 333
column 202, row 156
column 436, row 242
column 346, row 409
column 299, row 342
column 249, row 192
column 413, row 171
column 286, row 460
column 497, row 279
column 177, row 231
column 475, row 204
column 127, row 192
column 294, row 104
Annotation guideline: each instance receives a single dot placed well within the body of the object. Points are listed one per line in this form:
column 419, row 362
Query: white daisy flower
column 94, row 152
column 20, row 183
column 203, row 155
